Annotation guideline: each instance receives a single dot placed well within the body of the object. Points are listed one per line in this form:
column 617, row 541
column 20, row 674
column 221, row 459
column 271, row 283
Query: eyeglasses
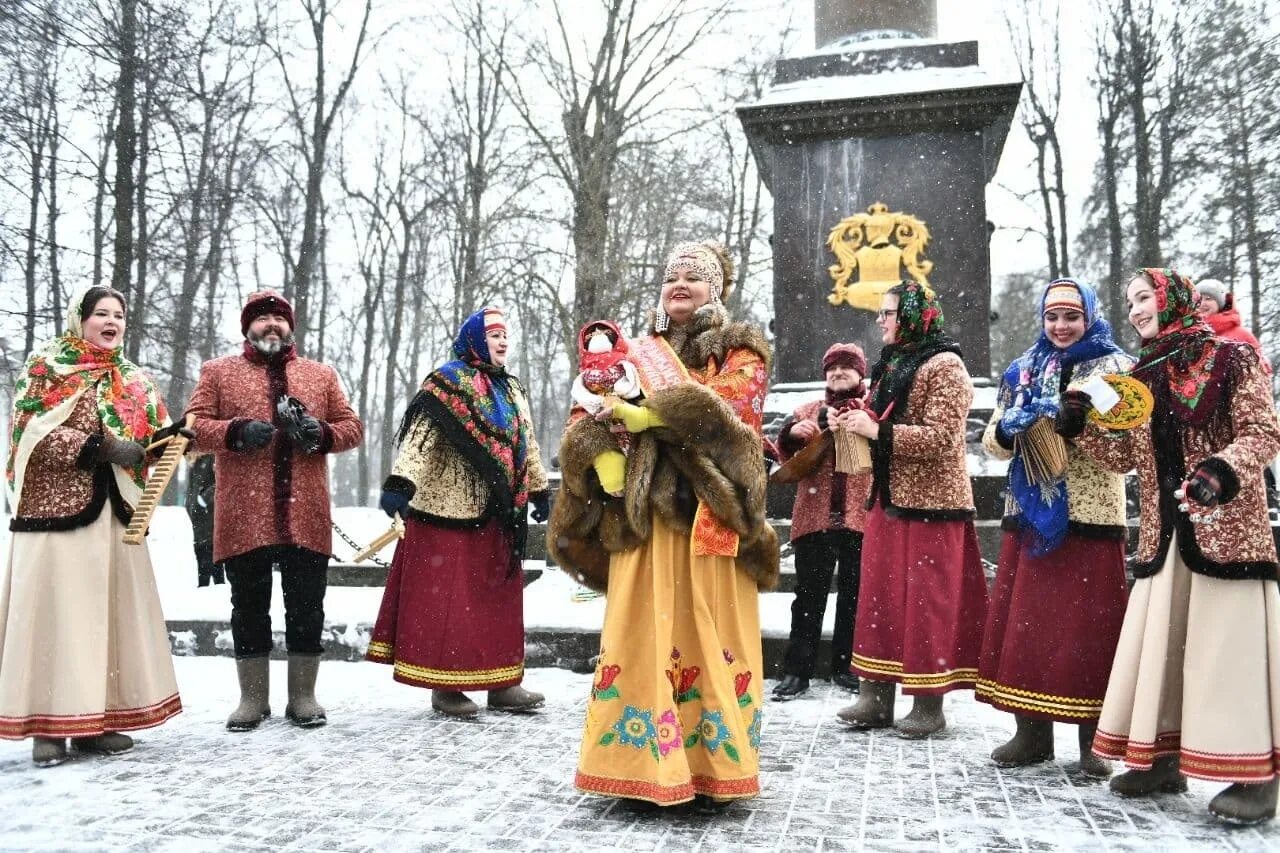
column 885, row 313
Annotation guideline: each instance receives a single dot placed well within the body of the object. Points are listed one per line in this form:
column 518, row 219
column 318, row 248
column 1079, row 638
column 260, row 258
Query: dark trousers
column 303, row 580
column 817, row 555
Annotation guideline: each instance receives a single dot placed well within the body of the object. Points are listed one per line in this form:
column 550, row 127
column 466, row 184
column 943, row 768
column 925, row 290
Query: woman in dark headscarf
column 452, row 615
column 1060, row 588
column 1195, row 685
column 84, row 652
column 924, row 596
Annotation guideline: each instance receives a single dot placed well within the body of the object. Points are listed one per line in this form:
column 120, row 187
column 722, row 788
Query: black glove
column 1070, row 420
column 171, row 430
column 117, row 451
column 1204, row 487
column 541, row 506
column 824, row 421
column 253, row 435
column 393, row 503
column 308, row 434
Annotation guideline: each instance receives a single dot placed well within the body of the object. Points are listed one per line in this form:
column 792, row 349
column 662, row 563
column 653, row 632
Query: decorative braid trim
column 87, row 725
column 1014, row 700
column 380, row 652
column 459, row 679
column 1246, row 767
column 889, row 670
column 668, row 795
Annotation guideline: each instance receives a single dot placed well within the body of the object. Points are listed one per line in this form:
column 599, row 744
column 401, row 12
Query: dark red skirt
column 921, row 605
column 1052, row 628
column 451, row 617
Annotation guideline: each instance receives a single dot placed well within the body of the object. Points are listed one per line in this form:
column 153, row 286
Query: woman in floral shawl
column 1195, row 684
column 84, row 652
column 1060, row 588
column 923, row 597
column 452, row 615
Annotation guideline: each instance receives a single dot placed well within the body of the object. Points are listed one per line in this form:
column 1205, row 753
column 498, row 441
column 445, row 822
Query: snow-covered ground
column 387, row 775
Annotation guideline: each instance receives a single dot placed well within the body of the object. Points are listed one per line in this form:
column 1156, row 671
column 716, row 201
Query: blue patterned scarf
column 1030, row 391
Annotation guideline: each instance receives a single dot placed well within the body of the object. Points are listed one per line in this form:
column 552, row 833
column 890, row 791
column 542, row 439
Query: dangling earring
column 661, row 320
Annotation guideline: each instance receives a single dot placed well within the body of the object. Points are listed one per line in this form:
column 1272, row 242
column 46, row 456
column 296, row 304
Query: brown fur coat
column 704, row 451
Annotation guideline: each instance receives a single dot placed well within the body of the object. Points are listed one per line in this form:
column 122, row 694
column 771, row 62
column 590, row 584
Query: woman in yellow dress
column 674, row 532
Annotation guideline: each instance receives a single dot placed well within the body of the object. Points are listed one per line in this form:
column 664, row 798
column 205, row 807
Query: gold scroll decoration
column 874, row 251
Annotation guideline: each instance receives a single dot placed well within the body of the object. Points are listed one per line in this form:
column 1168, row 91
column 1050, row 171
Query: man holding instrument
column 826, row 527
column 270, row 417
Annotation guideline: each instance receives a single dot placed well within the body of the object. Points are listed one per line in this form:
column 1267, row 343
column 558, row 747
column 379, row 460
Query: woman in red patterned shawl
column 674, row 532
column 84, row 652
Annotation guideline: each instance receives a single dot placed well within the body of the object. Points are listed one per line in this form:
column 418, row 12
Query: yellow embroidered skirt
column 675, row 707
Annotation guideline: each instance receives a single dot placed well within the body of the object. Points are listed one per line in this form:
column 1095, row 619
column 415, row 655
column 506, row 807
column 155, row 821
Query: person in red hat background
column 271, row 508
column 826, row 528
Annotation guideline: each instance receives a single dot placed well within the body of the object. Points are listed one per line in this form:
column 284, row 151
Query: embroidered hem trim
column 1248, row 767
column 459, row 679
column 1016, row 700
column 961, row 678
column 86, row 725
column 380, row 652
column 668, row 795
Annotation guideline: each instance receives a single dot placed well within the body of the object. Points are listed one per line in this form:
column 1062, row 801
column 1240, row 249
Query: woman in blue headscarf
column 452, row 615
column 1059, row 595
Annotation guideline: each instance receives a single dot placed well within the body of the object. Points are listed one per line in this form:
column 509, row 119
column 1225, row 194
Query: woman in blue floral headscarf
column 452, row 615
column 1059, row 595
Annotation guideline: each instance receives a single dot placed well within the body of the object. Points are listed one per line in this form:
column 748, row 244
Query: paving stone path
column 388, row 775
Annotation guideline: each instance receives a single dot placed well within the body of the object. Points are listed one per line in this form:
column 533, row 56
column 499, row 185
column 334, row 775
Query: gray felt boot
column 1032, row 743
column 1163, row 777
column 253, row 675
column 874, row 708
column 107, row 743
column 303, row 710
column 1246, row 804
column 48, row 751
column 924, row 720
column 454, row 703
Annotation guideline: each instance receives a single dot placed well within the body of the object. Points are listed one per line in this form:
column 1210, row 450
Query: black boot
column 1032, row 743
column 1163, row 777
column 1246, row 803
column 790, row 687
column 847, row 680
column 925, row 719
column 1090, row 764
column 874, row 708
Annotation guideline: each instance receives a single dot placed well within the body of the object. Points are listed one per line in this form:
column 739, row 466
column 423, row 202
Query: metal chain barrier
column 356, row 547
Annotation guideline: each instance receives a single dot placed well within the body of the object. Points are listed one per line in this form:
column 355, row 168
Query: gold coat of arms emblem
column 875, row 251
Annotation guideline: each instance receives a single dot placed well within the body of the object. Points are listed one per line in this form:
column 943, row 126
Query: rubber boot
column 254, row 677
column 874, row 708
column 1032, row 743
column 924, row 720
column 515, row 699
column 107, row 743
column 454, row 704
column 303, row 710
column 1163, row 777
column 48, row 751
column 1245, row 804
column 1090, row 764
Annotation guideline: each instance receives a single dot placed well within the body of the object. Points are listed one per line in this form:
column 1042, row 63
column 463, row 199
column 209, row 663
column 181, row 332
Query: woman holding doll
column 1195, row 685
column 1060, row 590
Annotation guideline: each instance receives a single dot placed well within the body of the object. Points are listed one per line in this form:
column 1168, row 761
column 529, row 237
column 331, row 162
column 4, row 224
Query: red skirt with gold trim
column 452, row 613
column 921, row 605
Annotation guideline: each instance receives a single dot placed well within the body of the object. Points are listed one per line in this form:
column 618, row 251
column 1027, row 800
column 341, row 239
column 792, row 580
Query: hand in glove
column 541, row 506
column 309, row 434
column 611, row 468
column 117, row 451
column 1069, row 422
column 174, row 429
column 393, row 503
column 1204, row 487
column 636, row 418
column 253, row 435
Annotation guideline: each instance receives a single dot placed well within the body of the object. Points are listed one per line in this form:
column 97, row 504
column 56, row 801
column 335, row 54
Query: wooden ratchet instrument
column 158, row 480
column 395, row 532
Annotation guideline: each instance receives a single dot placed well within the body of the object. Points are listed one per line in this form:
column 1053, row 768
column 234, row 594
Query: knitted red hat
column 265, row 302
column 850, row 355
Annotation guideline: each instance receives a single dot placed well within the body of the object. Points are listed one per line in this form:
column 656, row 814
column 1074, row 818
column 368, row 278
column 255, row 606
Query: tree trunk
column 100, row 196
column 136, row 329
column 125, row 146
column 36, row 182
column 391, row 394
column 56, row 297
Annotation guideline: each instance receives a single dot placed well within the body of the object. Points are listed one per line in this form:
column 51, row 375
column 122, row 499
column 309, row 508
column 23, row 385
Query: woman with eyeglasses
column 1195, row 684
column 1060, row 588
column 924, row 596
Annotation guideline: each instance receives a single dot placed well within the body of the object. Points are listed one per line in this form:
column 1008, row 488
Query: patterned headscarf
column 471, row 401
column 697, row 258
column 57, row 374
column 920, row 337
column 1184, row 362
column 1030, row 391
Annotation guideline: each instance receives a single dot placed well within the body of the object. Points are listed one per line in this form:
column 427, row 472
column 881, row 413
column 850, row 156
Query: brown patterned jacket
column 275, row 495
column 1095, row 496
column 928, row 472
column 66, row 485
column 1238, row 543
column 813, row 507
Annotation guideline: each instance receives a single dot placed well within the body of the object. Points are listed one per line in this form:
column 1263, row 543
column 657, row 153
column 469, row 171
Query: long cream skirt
column 83, row 644
column 1197, row 674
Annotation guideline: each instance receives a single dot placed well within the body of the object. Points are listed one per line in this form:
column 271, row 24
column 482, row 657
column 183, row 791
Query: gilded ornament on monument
column 876, row 250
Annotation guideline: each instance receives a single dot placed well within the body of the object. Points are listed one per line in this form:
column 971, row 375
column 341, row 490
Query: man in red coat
column 271, row 508
column 826, row 529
